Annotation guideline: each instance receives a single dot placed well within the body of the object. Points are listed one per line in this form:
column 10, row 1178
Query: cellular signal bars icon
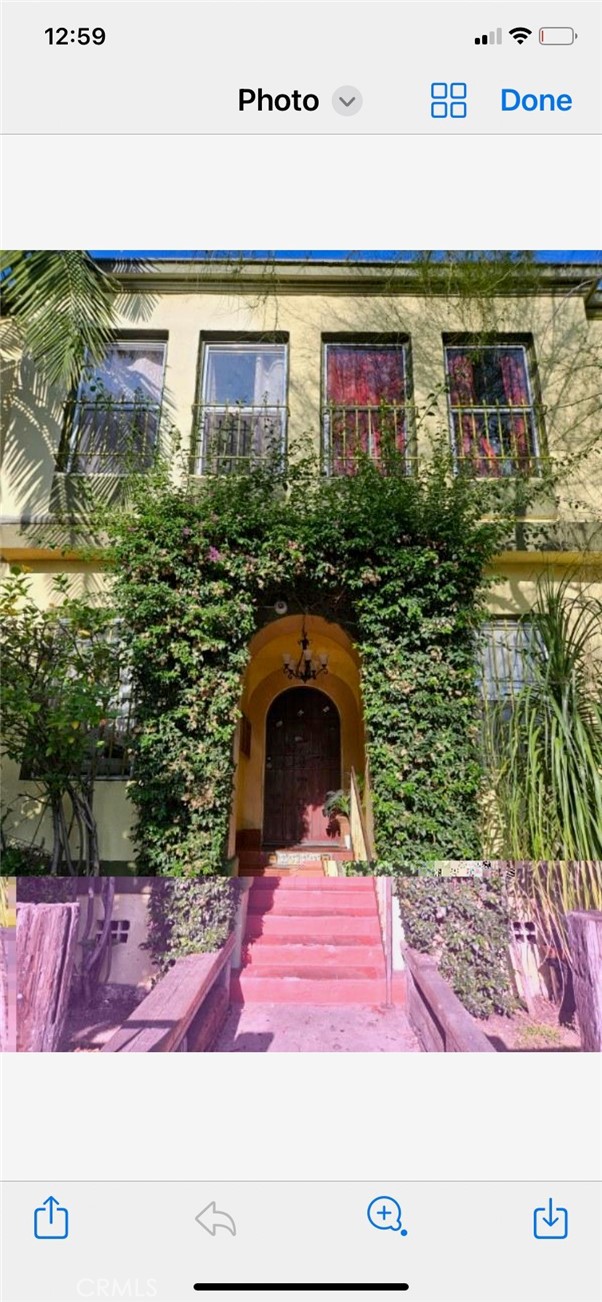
column 493, row 38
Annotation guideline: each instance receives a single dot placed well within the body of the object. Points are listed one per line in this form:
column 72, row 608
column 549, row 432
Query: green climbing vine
column 397, row 560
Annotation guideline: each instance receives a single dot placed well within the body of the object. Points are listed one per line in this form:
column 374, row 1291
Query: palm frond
column 65, row 306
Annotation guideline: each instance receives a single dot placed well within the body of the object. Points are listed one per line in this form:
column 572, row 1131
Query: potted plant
column 336, row 809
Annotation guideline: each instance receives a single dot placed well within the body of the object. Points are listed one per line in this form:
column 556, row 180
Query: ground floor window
column 504, row 650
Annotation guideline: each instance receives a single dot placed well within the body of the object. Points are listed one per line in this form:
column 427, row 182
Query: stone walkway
column 305, row 1028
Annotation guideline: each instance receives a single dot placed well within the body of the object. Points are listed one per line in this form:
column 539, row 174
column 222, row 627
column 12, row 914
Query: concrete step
column 266, row 873
column 307, row 971
column 327, row 884
column 310, row 902
column 246, row 987
column 298, row 928
column 334, row 850
column 266, row 952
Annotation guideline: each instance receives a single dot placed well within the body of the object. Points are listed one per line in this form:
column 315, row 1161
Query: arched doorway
column 302, row 763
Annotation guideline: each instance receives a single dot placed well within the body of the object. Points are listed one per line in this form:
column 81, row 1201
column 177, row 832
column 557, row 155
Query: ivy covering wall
column 396, row 560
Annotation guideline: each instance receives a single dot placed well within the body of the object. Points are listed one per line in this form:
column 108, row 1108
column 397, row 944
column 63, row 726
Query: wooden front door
column 303, row 762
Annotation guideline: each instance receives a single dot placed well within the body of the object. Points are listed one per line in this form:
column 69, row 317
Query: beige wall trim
column 590, row 561
column 581, row 560
column 15, row 554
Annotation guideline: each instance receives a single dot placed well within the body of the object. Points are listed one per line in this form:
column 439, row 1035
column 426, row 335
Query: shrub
column 464, row 925
column 47, row 890
column 24, row 859
column 187, row 917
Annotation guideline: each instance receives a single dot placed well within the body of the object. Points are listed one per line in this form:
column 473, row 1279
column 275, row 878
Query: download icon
column 550, row 1222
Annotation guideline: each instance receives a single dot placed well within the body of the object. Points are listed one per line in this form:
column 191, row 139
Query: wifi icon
column 520, row 34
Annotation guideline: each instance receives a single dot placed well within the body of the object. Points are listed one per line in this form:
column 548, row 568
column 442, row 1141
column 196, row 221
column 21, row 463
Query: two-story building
column 244, row 357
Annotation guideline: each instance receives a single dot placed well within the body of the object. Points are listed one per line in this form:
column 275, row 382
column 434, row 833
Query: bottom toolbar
column 454, row 1241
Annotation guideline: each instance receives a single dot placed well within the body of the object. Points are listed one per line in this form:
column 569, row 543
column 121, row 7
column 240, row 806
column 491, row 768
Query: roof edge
column 201, row 275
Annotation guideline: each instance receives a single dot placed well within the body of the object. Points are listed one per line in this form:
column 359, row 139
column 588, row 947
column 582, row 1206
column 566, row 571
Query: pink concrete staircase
column 312, row 942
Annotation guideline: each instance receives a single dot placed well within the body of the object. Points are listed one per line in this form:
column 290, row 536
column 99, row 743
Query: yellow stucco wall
column 28, row 821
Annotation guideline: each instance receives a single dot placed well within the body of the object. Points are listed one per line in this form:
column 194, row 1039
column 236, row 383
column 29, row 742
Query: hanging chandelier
column 308, row 666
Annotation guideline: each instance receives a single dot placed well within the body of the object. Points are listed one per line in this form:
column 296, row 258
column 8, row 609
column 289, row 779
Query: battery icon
column 557, row 36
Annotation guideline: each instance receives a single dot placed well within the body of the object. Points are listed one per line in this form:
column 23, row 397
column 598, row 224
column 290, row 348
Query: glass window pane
column 365, row 375
column 248, row 376
column 128, row 372
column 488, row 376
column 505, row 647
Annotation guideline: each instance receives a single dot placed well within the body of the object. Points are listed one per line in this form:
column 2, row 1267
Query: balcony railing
column 110, row 436
column 496, row 441
column 350, row 433
column 232, row 439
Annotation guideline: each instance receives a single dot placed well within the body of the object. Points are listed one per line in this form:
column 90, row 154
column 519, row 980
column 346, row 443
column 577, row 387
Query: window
column 366, row 403
column 114, row 759
column 503, row 654
column 120, row 930
column 242, row 413
column 492, row 412
column 113, row 422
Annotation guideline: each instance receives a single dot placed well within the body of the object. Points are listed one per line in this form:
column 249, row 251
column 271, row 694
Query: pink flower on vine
column 214, row 554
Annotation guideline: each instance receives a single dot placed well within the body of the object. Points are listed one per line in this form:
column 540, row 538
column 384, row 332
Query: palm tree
column 64, row 305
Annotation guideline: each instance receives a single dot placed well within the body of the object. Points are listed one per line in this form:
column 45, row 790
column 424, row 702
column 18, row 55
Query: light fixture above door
column 309, row 665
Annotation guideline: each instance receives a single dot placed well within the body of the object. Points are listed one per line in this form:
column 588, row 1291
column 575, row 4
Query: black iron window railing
column 110, row 436
column 233, row 438
column 351, row 432
column 496, row 440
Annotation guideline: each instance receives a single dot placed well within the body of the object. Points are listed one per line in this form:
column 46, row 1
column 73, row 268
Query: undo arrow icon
column 212, row 1220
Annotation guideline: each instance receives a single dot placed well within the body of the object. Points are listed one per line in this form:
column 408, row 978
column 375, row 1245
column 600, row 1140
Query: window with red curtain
column 493, row 423
column 366, row 397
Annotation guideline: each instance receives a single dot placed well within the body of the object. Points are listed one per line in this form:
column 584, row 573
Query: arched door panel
column 303, row 762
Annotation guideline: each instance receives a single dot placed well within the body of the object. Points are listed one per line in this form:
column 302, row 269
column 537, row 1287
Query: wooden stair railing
column 185, row 1009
